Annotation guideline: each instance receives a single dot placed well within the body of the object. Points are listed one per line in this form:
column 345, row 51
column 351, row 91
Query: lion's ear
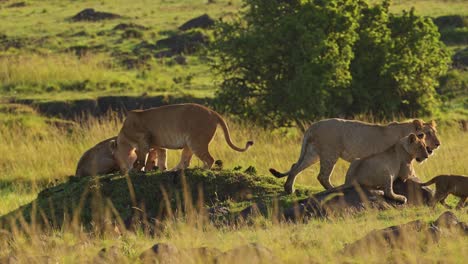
column 433, row 124
column 412, row 138
column 418, row 124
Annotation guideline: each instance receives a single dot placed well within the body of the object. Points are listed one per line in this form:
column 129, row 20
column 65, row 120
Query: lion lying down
column 190, row 127
column 100, row 159
column 380, row 170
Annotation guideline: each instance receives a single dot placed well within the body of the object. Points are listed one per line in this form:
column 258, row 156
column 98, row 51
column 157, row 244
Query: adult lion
column 382, row 169
column 330, row 139
column 190, row 127
column 100, row 159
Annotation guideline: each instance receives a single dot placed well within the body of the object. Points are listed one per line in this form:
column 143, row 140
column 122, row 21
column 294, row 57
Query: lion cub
column 449, row 184
column 380, row 170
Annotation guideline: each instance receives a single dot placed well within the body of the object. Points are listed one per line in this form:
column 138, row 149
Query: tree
column 286, row 61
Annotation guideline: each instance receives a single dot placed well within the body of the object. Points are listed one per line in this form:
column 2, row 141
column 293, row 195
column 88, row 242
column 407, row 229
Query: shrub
column 288, row 61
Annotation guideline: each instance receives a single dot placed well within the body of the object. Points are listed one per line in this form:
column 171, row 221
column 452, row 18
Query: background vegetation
column 46, row 58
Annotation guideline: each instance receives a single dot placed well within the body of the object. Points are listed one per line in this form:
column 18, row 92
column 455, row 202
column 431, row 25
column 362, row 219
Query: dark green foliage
column 92, row 197
column 453, row 84
column 397, row 62
column 286, row 61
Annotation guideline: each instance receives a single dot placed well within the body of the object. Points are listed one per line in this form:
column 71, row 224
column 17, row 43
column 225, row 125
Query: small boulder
column 89, row 14
column 254, row 252
column 187, row 43
column 203, row 21
column 181, row 60
column 162, row 252
column 413, row 191
column 451, row 21
column 401, row 236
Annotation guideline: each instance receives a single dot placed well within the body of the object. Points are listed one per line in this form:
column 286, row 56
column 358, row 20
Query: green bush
column 287, row 61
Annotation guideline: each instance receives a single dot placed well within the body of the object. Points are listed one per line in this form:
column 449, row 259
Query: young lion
column 449, row 184
column 380, row 170
column 190, row 127
column 100, row 159
column 330, row 139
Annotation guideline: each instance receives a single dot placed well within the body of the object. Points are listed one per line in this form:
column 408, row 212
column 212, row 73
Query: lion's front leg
column 388, row 190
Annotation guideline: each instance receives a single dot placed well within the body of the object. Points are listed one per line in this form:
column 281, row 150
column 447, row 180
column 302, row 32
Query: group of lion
column 379, row 154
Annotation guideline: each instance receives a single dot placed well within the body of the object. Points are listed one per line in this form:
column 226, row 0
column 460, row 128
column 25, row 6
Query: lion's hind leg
column 185, row 159
column 309, row 157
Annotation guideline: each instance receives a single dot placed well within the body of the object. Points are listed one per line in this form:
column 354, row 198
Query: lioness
column 100, row 159
column 190, row 127
column 330, row 139
column 449, row 184
column 380, row 170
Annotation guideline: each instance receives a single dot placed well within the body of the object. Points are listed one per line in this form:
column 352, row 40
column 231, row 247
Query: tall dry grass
column 41, row 154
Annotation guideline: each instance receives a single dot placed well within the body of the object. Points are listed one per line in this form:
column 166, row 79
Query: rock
column 446, row 220
column 402, row 236
column 107, row 255
column 89, row 14
column 413, row 191
column 181, row 60
column 351, row 199
column 203, row 21
column 449, row 221
column 163, row 252
column 187, row 43
column 254, row 252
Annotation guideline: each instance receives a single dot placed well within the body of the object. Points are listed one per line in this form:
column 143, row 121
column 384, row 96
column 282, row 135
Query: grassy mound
column 155, row 195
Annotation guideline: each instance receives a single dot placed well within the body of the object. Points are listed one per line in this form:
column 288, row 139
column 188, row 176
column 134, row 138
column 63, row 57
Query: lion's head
column 428, row 132
column 416, row 147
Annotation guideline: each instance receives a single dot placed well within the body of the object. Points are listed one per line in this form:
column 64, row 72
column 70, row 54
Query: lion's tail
column 227, row 135
column 432, row 181
column 304, row 147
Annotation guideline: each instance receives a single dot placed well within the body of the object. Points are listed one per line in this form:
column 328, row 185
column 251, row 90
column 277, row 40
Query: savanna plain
column 47, row 59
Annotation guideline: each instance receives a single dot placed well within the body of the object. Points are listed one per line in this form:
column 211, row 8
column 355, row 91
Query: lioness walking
column 190, row 127
column 449, row 184
column 330, row 139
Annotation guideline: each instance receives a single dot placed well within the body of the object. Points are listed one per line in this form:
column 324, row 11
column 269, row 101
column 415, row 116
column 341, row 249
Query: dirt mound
column 143, row 199
column 89, row 14
column 203, row 21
